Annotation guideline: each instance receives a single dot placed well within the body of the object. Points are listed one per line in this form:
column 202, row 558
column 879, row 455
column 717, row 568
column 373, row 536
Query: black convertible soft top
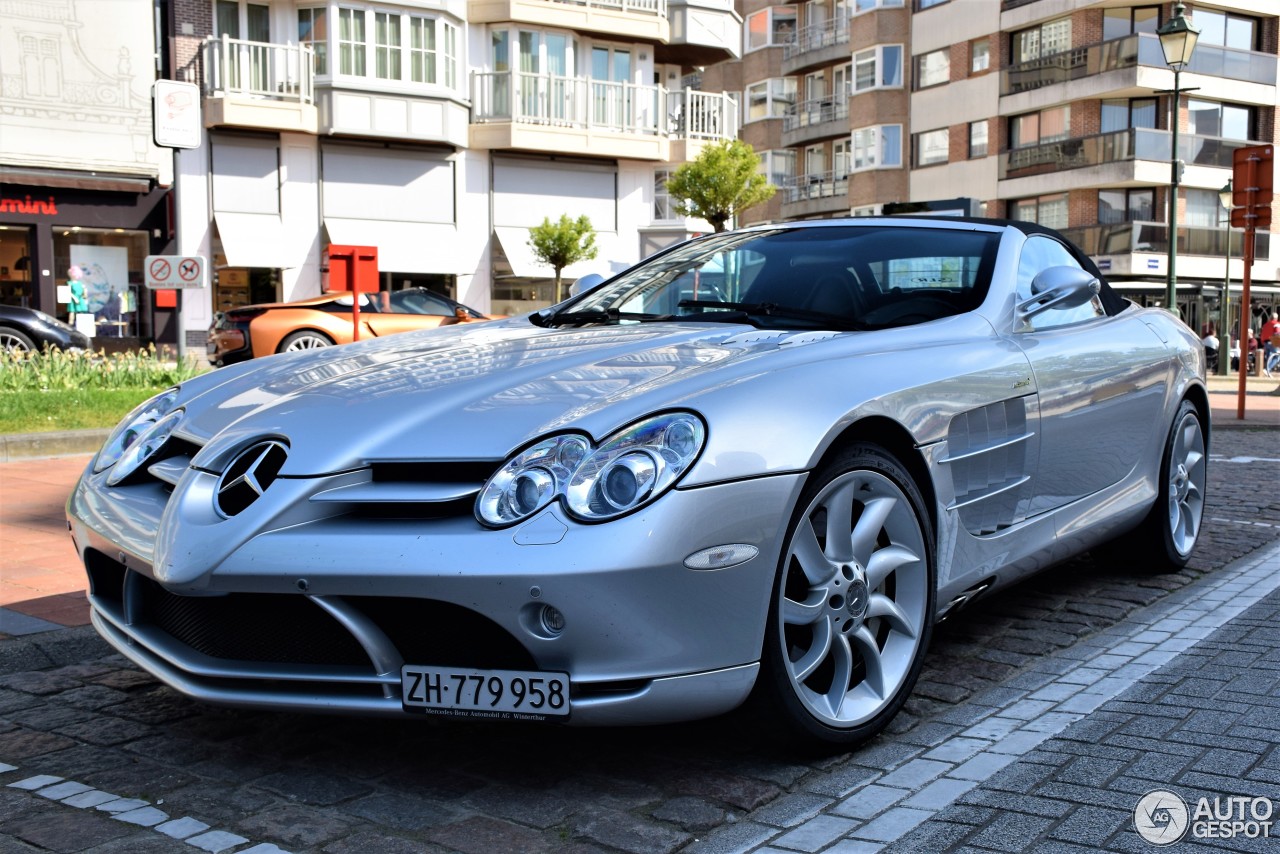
column 1112, row 302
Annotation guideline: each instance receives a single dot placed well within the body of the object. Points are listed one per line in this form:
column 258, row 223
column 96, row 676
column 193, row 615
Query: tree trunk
column 559, row 297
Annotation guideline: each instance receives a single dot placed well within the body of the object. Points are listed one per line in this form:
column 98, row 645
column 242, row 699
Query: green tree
column 721, row 183
column 559, row 244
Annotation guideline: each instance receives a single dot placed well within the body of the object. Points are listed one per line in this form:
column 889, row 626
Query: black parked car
column 29, row 329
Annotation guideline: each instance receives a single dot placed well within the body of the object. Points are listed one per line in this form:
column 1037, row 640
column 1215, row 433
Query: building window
column 841, row 156
column 1121, row 114
column 351, row 42
column 1225, row 29
column 877, row 67
column 386, row 35
column 1204, row 210
column 406, row 48
column 861, row 6
column 866, row 210
column 1036, row 128
column 778, row 166
column 1126, row 206
column 931, row 147
column 933, row 68
column 1121, row 22
column 663, row 206
column 312, row 30
column 877, row 147
column 979, row 55
column 771, row 27
column 1044, row 40
column 770, row 98
column 921, row 5
column 978, row 139
column 1050, row 211
column 1212, row 118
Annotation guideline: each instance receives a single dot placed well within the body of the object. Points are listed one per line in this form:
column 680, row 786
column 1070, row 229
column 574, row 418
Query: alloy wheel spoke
column 816, row 654
column 842, row 661
column 808, row 553
column 867, row 531
column 885, row 561
column 883, row 606
column 803, row 613
column 871, row 660
column 839, row 506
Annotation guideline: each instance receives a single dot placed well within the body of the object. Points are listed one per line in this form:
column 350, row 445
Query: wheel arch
column 1199, row 398
column 897, row 440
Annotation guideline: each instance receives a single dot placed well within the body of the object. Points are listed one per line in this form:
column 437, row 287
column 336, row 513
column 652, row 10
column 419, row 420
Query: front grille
column 278, row 628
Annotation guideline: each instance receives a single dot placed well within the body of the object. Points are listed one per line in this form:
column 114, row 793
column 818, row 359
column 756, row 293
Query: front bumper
column 228, row 610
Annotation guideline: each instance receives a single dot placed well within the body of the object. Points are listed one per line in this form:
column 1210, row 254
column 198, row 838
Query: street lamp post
column 1225, row 197
column 1178, row 41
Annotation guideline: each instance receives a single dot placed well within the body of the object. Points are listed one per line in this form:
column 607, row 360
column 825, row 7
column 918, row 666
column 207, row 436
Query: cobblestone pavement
column 95, row 756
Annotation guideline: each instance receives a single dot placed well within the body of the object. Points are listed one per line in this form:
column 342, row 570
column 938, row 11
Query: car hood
column 481, row 391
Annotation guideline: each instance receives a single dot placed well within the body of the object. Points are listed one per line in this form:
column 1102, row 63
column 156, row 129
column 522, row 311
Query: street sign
column 176, row 271
column 1252, row 181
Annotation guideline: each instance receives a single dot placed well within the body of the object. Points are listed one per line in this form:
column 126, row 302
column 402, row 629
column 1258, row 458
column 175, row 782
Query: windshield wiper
column 610, row 315
column 735, row 311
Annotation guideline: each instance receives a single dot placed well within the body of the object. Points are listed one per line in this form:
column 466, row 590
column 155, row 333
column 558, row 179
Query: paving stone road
column 95, row 756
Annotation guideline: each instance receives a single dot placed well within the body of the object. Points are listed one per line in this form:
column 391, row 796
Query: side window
column 413, row 301
column 1040, row 253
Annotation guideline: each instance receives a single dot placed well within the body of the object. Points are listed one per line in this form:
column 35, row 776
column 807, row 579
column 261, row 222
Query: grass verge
column 68, row 409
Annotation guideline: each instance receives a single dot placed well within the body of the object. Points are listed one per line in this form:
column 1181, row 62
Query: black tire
column 1167, row 536
column 306, row 339
column 849, row 621
column 12, row 339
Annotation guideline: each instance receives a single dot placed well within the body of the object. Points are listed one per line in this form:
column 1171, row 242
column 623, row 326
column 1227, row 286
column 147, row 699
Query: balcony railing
column 815, row 112
column 1122, row 238
column 817, row 36
column 579, row 102
column 814, row 185
column 1130, row 51
column 281, row 72
column 640, row 7
column 701, row 115
column 1132, row 144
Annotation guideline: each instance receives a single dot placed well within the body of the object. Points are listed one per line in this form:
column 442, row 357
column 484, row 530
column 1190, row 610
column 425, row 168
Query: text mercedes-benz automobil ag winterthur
column 758, row 466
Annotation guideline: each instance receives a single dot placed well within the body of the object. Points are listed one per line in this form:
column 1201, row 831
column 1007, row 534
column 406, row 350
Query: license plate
column 503, row 694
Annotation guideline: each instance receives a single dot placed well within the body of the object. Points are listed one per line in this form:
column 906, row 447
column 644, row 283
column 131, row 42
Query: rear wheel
column 852, row 611
column 13, row 340
column 305, row 340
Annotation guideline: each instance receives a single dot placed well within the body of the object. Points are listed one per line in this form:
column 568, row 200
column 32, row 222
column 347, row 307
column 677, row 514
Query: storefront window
column 15, row 265
column 108, row 267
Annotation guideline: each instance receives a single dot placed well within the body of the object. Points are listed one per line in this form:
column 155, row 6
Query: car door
column 402, row 311
column 1100, row 384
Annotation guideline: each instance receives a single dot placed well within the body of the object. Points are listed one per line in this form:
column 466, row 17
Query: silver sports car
column 762, row 464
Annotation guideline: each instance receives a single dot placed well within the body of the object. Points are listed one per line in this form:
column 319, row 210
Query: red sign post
column 1252, row 177
column 355, row 269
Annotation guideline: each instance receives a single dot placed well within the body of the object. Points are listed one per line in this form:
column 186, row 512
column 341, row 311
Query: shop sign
column 29, row 206
column 176, row 271
column 175, row 108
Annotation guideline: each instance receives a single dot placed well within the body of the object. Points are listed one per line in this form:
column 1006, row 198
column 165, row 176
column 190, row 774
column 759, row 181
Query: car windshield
column 840, row 277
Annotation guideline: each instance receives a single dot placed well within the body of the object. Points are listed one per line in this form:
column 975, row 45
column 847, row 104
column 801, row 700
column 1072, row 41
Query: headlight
column 530, row 480
column 134, row 425
column 145, row 447
column 627, row 471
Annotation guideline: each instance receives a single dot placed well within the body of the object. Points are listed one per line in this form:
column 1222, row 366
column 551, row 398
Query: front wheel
column 15, row 341
column 852, row 610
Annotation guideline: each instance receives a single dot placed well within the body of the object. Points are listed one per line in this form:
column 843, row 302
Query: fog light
column 552, row 620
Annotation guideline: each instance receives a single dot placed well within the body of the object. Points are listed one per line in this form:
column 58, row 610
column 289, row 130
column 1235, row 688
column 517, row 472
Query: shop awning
column 515, row 245
column 77, row 179
column 254, row 240
column 403, row 247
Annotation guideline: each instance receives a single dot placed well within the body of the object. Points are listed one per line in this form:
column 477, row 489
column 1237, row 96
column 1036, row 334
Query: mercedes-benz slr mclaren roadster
column 759, row 465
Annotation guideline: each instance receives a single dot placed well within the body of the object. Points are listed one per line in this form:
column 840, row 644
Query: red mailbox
column 350, row 268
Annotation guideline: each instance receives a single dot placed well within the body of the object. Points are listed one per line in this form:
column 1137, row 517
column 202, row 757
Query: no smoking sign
column 176, row 271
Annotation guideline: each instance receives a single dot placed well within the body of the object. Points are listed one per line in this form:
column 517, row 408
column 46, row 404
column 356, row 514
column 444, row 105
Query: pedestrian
column 1269, row 328
column 1211, row 345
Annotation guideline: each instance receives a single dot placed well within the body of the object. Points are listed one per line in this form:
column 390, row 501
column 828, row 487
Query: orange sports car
column 260, row 330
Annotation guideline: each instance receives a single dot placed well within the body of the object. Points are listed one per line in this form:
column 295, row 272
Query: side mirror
column 585, row 283
column 1059, row 287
